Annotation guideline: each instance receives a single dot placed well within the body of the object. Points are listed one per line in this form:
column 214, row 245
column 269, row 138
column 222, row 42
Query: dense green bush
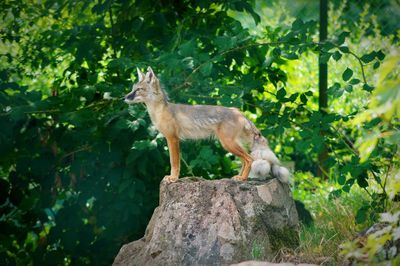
column 80, row 169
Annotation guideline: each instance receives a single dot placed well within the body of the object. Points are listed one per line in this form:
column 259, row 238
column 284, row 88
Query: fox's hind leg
column 245, row 158
column 231, row 144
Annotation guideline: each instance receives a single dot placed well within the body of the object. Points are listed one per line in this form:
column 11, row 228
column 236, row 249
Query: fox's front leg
column 174, row 158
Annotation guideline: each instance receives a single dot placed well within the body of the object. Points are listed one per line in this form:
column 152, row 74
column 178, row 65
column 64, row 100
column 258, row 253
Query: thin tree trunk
column 323, row 82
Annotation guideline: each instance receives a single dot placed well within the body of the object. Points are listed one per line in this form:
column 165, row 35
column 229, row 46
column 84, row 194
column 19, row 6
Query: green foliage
column 380, row 243
column 80, row 170
column 63, row 169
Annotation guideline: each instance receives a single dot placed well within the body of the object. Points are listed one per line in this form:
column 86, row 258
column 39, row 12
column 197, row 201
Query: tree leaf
column 354, row 81
column 367, row 87
column 256, row 17
column 335, row 90
column 187, row 48
column 380, row 55
column 206, row 69
column 291, row 56
column 361, row 215
column 367, row 145
column 367, row 58
column 303, row 98
column 276, row 52
column 342, row 37
column 293, row 97
column 337, row 55
column 348, row 88
column 342, row 180
column 347, row 74
column 346, row 188
column 362, row 181
column 297, row 24
column 324, row 58
column 344, row 49
column 327, row 46
column 281, row 94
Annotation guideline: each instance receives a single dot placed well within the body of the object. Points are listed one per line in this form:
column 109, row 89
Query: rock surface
column 215, row 222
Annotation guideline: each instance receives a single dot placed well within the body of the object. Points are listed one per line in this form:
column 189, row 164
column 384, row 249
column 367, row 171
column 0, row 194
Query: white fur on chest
column 155, row 116
column 161, row 118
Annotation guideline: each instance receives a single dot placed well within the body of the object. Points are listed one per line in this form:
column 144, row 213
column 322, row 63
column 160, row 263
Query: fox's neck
column 156, row 110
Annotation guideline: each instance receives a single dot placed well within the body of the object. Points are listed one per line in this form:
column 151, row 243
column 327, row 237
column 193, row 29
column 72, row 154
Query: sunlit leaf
column 367, row 145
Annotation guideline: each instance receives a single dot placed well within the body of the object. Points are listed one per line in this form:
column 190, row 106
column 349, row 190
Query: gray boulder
column 215, row 222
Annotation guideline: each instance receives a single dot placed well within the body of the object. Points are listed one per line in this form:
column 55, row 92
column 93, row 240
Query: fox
column 178, row 122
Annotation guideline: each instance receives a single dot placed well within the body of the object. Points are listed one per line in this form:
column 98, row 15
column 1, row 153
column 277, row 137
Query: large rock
column 215, row 222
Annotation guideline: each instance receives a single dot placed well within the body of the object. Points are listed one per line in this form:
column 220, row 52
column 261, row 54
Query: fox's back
column 202, row 121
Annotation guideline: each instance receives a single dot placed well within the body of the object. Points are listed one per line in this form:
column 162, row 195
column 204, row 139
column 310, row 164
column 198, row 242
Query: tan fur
column 179, row 121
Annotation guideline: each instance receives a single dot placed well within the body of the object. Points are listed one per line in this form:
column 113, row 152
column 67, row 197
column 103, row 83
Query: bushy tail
column 282, row 173
column 266, row 163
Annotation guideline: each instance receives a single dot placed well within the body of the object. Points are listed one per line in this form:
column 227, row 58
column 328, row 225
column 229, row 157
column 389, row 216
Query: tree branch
column 196, row 69
column 361, row 66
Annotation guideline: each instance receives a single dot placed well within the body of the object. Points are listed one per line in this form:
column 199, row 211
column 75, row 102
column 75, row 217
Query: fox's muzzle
column 130, row 97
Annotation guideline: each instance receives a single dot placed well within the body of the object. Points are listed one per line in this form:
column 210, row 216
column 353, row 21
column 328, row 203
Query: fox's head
column 146, row 90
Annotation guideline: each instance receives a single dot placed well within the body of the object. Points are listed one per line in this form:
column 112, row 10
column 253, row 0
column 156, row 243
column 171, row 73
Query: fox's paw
column 170, row 179
column 239, row 178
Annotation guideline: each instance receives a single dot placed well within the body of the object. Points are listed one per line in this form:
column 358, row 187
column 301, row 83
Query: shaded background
column 80, row 170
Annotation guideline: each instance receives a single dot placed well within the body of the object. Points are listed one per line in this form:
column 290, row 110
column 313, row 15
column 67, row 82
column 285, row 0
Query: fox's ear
column 150, row 76
column 149, row 69
column 140, row 74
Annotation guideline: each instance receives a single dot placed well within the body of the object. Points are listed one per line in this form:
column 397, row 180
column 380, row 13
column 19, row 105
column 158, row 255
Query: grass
column 334, row 223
